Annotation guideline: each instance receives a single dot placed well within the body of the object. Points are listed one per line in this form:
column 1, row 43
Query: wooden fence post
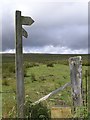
column 86, row 84
column 75, row 64
column 20, row 20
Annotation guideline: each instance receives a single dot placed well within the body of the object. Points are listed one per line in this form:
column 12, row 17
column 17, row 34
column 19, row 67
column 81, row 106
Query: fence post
column 75, row 64
column 20, row 20
column 86, row 84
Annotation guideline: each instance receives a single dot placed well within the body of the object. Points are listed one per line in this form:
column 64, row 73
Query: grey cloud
column 74, row 37
column 55, row 24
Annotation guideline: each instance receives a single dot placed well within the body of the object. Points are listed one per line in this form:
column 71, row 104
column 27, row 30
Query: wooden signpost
column 20, row 20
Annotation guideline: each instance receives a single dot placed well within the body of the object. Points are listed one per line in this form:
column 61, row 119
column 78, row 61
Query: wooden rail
column 52, row 93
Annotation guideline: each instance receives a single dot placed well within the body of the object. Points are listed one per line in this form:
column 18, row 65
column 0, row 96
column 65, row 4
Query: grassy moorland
column 45, row 58
column 43, row 73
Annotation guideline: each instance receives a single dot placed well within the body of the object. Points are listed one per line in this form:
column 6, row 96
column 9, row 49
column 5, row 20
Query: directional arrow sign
column 20, row 20
column 24, row 33
column 27, row 20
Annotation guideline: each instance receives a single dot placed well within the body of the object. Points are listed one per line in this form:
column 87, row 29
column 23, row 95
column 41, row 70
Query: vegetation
column 38, row 111
column 43, row 73
column 46, row 58
column 50, row 65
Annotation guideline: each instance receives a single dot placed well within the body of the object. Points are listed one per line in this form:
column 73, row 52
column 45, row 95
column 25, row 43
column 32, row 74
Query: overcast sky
column 59, row 27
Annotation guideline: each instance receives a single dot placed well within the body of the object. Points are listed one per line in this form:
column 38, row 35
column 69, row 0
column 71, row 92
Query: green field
column 43, row 73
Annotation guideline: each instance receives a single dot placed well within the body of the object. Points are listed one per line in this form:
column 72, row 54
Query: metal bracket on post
column 20, row 20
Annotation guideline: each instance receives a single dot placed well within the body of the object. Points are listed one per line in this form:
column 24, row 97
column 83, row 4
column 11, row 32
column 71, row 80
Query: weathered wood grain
column 19, row 67
column 75, row 64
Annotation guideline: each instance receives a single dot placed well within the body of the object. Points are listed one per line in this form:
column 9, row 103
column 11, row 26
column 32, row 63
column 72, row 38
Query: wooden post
column 19, row 67
column 0, row 86
column 20, row 20
column 75, row 64
column 0, row 67
column 86, row 80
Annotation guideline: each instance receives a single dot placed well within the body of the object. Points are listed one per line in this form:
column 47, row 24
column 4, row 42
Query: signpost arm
column 19, row 67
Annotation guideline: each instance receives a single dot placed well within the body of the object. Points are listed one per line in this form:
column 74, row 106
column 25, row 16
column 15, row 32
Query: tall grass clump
column 8, row 70
column 30, row 64
column 33, row 77
column 50, row 65
column 37, row 112
column 86, row 63
column 5, row 82
column 25, row 72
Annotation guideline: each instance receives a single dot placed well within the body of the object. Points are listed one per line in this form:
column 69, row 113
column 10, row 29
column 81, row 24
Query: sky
column 60, row 27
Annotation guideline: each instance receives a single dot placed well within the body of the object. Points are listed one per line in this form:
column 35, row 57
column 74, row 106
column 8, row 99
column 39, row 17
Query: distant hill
column 44, row 58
